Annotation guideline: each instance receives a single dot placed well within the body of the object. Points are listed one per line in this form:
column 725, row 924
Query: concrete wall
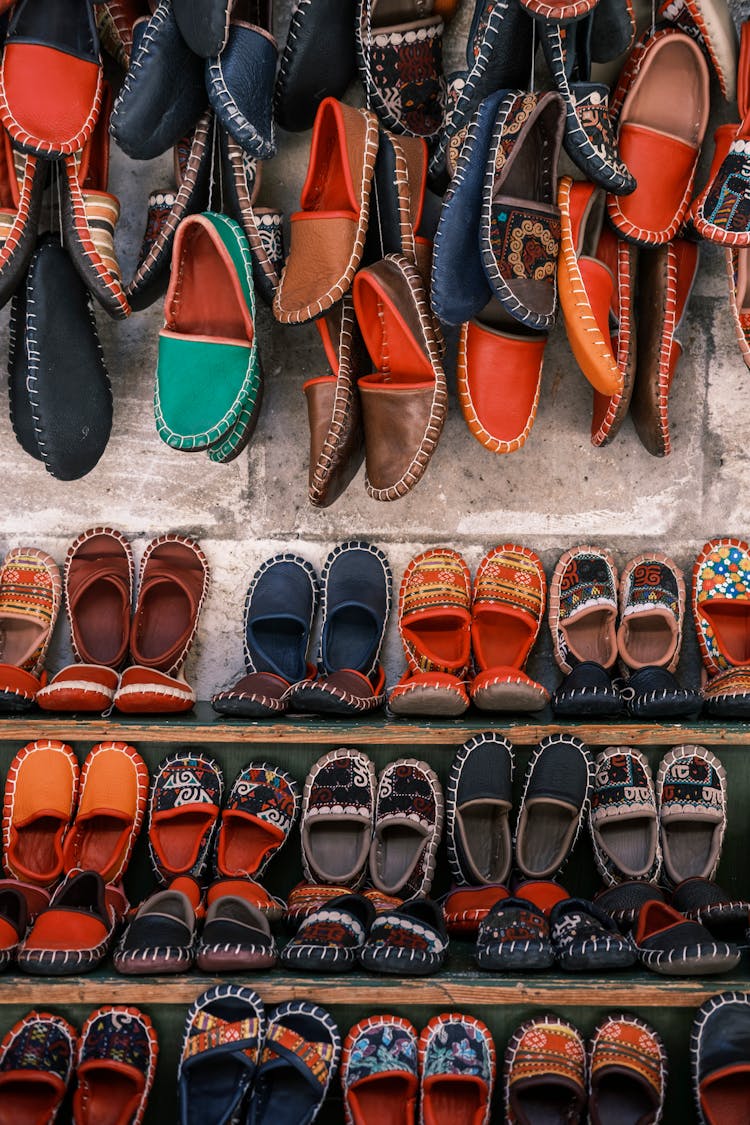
column 555, row 492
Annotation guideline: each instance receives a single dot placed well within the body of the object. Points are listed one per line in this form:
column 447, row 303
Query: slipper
column 161, row 935
column 59, row 389
column 379, row 1075
column 356, row 601
column 583, row 608
column 30, row 596
column 691, row 791
column 711, row 25
column 298, row 1061
column 338, row 806
column 624, row 901
column 305, row 898
column 514, row 936
column 721, row 604
column 554, row 805
column 115, row 1065
column 334, row 412
column 236, row 936
column 240, row 79
column 183, row 815
column 665, row 281
column 405, row 399
column 406, row 215
column 545, row 1063
column 410, row 941
column 407, row 826
column 478, row 801
column 164, row 92
column 279, row 610
column 41, row 790
column 628, row 1068
column 465, row 908
column 588, row 691
column 36, row 1065
column 727, row 695
column 672, row 945
column 335, row 207
column 262, row 225
column 256, row 820
column 204, row 24
column 506, row 613
column 221, row 1050
column 23, row 179
column 319, row 61
column 623, row 822
column 14, row 921
column 271, row 906
column 435, row 626
column 330, row 939
column 726, row 917
column 585, row 939
column 458, row 1066
column 74, row 933
column 720, row 1056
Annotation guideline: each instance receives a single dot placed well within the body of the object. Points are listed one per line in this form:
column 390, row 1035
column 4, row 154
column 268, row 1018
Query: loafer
column 514, row 935
column 624, row 819
column 204, row 25
column 236, row 937
column 623, row 901
column 240, row 79
column 115, row 1063
column 720, row 1053
column 161, row 935
column 74, row 933
column 407, row 826
column 410, row 941
column 457, row 1061
column 37, row 1056
column 555, row 801
column 183, row 815
column 330, row 938
column 41, row 791
column 583, row 608
column 319, row 61
column 721, row 604
column 262, row 224
column 672, row 945
column 14, row 922
column 545, row 1058
column 300, row 1056
column 30, row 593
column 585, row 939
column 256, row 820
column 691, row 794
column 465, row 908
column 588, row 691
column 627, row 1065
column 338, row 806
column 478, row 801
column 379, row 1068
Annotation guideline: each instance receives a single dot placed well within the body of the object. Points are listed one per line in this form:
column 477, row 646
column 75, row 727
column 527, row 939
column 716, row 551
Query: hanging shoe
column 319, row 61
column 262, row 225
column 240, row 79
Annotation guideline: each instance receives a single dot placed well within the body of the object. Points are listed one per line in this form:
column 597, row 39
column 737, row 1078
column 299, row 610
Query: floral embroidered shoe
column 720, row 1055
column 338, row 806
column 478, row 803
column 585, row 939
column 160, row 937
column 411, row 941
column 623, row 821
column 408, row 824
column 41, row 791
column 554, row 804
column 457, row 1062
column 30, row 599
column 691, row 790
column 670, row 944
column 721, row 604
column 514, row 935
column 627, row 1066
column 36, row 1065
column 298, row 1061
column 183, row 815
column 545, row 1060
column 115, row 1065
column 259, row 814
column 330, row 938
column 379, row 1075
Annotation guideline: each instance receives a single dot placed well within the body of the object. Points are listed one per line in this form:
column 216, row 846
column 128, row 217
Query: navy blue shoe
column 319, row 60
column 204, row 24
column 240, row 80
column 654, row 693
column 588, row 690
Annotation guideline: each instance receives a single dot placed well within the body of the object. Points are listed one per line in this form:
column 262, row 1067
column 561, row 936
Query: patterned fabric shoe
column 727, row 696
column 183, row 815
column 256, row 821
column 411, row 941
column 720, row 1056
column 627, row 1071
column 623, row 821
column 545, row 1059
column 36, row 1063
column 434, row 622
column 585, row 939
column 457, row 1061
column 407, row 828
column 14, row 921
column 220, row 1053
column 691, row 790
column 478, row 804
column 583, row 608
column 41, row 791
column 379, row 1075
column 330, row 938
column 338, row 805
column 555, row 801
column 30, row 599
column 721, row 604
column 116, row 1065
column 652, row 612
column 507, row 609
column 306, row 898
column 675, row 946
column 299, row 1058
column 514, row 935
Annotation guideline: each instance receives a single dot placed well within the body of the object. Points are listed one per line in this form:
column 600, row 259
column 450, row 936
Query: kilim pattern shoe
column 627, row 1062
column 116, row 1063
column 727, row 695
column 338, row 805
column 457, row 1061
column 183, row 815
column 623, row 821
column 411, row 941
column 331, row 938
column 259, row 814
column 298, row 1061
column 408, row 824
column 30, row 599
column 545, row 1054
column 305, row 898
column 36, row 1064
column 691, row 790
column 514, row 935
column 379, row 1068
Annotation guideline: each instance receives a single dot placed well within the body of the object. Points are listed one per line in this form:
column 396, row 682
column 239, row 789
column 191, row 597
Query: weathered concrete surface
column 554, row 492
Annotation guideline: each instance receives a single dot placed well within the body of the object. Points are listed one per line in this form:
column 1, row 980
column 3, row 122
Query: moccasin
column 14, row 921
column 299, row 1059
column 183, row 815
column 161, row 935
column 37, row 1057
column 379, row 1069
column 623, row 901
column 720, row 1056
column 672, row 945
column 115, row 1065
column 407, row 826
column 240, row 79
column 545, row 1059
column 306, row 898
column 514, row 935
column 256, row 820
column 583, row 608
column 22, row 184
column 627, row 1067
column 30, row 597
column 41, row 791
column 204, row 24
column 585, row 939
column 710, row 24
column 458, row 1066
column 74, row 933
column 727, row 695
column 691, row 791
column 721, row 604
column 236, row 937
column 338, row 806
column 410, row 941
column 478, row 802
column 329, row 939
column 555, row 801
column 319, row 60
column 725, row 916
column 624, row 822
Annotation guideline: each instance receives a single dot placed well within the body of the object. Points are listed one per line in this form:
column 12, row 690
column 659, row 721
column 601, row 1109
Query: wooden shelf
column 203, row 725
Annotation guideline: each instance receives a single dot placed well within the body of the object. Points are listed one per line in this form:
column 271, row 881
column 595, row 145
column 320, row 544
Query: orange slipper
column 435, row 627
column 40, row 794
column 111, row 807
column 507, row 609
column 252, row 892
column 621, row 258
column 30, row 596
column 465, row 907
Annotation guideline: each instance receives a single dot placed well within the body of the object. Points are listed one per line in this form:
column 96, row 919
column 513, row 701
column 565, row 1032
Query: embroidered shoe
column 672, row 945
column 36, row 1064
column 30, row 597
column 115, row 1064
column 721, row 604
column 74, row 933
column 240, row 78
column 298, row 1061
column 41, row 791
column 318, row 61
column 329, row 939
column 410, row 941
column 585, row 939
column 623, row 821
column 720, row 1055
column 555, row 801
column 627, row 1066
column 691, row 793
column 545, row 1058
column 338, row 806
column 513, row 936
column 161, row 935
column 256, row 821
column 478, row 803
column 305, row 898
column 379, row 1074
column 408, row 824
column 458, row 1066
column 183, row 815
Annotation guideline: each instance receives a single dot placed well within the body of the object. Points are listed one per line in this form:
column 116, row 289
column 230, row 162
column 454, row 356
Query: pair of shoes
column 30, row 599
column 407, row 940
column 190, row 834
column 721, row 607
column 99, row 585
column 114, row 1059
column 443, row 619
column 699, row 899
column 239, row 1062
column 634, row 826
column 280, row 607
column 58, row 818
column 386, row 1066
column 546, row 1059
column 583, row 613
column 479, row 798
column 351, row 824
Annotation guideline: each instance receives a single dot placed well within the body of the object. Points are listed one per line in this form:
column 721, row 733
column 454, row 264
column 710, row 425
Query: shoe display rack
column 503, row 1001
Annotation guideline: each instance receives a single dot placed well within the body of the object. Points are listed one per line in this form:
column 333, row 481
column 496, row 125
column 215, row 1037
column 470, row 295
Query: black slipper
column 588, row 690
column 656, row 694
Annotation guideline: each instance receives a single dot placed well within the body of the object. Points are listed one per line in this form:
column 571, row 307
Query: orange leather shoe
column 74, row 933
column 507, row 610
column 41, row 790
column 30, row 597
column 660, row 136
column 111, row 807
column 710, row 23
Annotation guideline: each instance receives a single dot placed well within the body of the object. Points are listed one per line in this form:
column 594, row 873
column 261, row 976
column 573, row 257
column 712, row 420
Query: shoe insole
column 621, row 1101
column 18, row 640
column 486, row 834
column 105, row 1096
column 98, row 841
column 244, row 842
column 36, row 845
column 727, row 1099
column 399, row 849
column 205, row 303
column 351, row 638
column 652, row 106
column 24, row 1100
column 630, row 843
column 215, row 1088
column 547, row 1105
column 177, row 839
column 389, row 1100
column 688, row 846
column 99, row 616
column 329, row 186
column 590, row 636
column 452, row 1101
column 441, row 637
column 500, row 639
column 547, row 831
column 648, row 639
column 336, row 848
column 731, row 625
column 282, row 641
column 164, row 619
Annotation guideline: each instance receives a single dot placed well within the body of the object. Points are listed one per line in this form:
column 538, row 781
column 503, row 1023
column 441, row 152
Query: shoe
column 435, row 625
column 74, row 933
column 585, row 939
column 98, row 580
column 272, row 907
column 410, row 941
column 691, row 793
column 338, row 806
column 305, row 898
column 583, row 608
column 335, row 207
column 720, row 1055
column 623, row 821
column 41, row 791
column 14, row 921
column 330, row 939
column 221, row 1053
column 406, row 217
column 478, row 802
column 240, row 79
column 711, row 25
column 115, row 1065
column 36, row 1065
column 60, row 395
column 236, row 936
column 209, row 383
column 545, row 1061
column 514, row 936
column 555, row 801
column 507, row 610
column 161, row 935
column 319, row 61
column 624, row 901
column 721, row 604
column 672, row 945
column 627, row 1066
column 299, row 1059
column 458, row 1066
column 24, row 177
column 204, row 24
column 407, row 827
column 256, row 821
column 111, row 806
column 379, row 1070
column 465, row 908
column 356, row 602
column 262, row 225
column 705, row 902
column 279, row 610
column 183, row 815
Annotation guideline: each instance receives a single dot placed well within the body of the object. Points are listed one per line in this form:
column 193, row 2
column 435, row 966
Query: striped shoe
column 30, row 598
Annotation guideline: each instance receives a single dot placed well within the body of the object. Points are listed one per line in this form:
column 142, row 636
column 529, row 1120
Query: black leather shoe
column 319, row 60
